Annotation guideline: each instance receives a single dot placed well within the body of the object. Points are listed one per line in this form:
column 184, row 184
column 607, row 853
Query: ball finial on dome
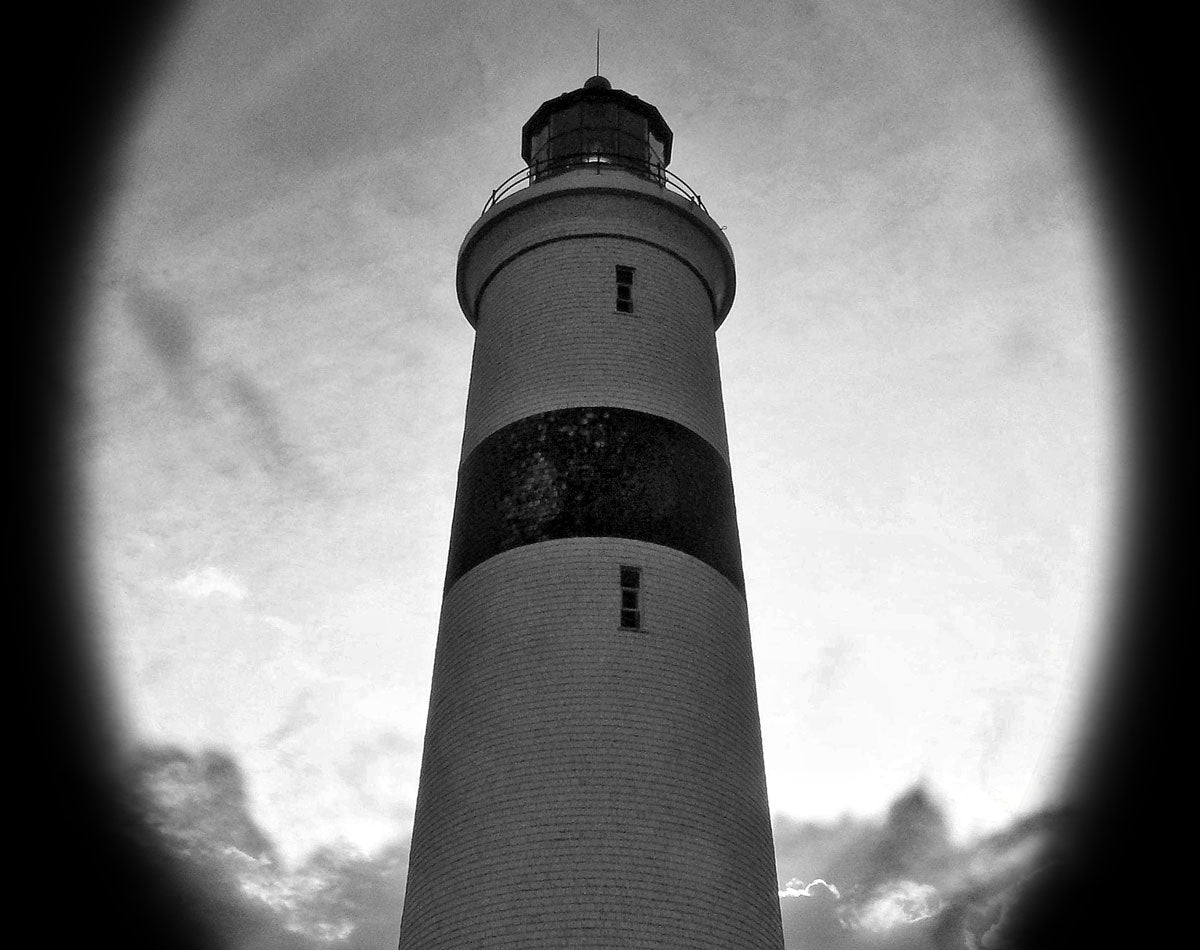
column 597, row 82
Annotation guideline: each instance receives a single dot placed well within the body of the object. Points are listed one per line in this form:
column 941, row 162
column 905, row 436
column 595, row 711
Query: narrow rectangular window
column 631, row 597
column 625, row 289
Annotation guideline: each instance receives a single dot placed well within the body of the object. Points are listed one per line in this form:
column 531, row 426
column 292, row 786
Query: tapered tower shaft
column 592, row 773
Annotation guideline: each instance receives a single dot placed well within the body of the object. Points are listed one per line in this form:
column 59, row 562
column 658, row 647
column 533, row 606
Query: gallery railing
column 541, row 170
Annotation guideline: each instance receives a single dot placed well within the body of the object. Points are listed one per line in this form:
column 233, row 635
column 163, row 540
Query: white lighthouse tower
column 593, row 773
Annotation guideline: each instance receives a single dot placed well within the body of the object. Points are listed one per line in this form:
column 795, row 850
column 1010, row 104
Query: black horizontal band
column 595, row 472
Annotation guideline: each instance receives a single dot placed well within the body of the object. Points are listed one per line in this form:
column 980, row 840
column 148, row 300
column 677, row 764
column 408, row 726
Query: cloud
column 232, row 417
column 913, row 842
column 164, row 324
column 901, row 884
column 797, row 888
column 208, row 581
column 893, row 904
column 895, row 884
column 260, row 419
column 194, row 807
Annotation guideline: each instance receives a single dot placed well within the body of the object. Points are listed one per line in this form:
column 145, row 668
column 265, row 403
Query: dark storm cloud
column 883, row 871
column 368, row 893
column 198, row 802
column 901, row 884
column 193, row 815
column 913, row 843
column 896, row 884
column 195, row 812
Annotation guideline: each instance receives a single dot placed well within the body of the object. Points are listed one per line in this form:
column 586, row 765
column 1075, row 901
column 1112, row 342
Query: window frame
column 625, row 276
column 630, row 578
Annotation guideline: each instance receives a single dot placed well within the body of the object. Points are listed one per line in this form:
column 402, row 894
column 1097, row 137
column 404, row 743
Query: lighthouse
column 592, row 774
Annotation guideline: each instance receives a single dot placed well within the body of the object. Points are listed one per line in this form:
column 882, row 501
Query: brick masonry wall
column 586, row 785
column 579, row 204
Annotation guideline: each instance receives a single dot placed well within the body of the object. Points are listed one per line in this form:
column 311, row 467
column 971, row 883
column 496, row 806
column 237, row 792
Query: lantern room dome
column 596, row 123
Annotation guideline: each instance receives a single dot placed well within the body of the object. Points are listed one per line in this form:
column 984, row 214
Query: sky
column 921, row 386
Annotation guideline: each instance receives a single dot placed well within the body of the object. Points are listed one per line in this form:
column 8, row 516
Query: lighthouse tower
column 593, row 772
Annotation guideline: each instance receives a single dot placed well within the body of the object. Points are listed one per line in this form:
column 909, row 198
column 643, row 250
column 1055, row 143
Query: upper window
column 624, row 289
column 631, row 597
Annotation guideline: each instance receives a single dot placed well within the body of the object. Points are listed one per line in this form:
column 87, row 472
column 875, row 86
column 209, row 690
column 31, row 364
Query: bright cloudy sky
column 919, row 372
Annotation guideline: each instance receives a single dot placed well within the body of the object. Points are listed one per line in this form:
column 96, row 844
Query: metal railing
column 542, row 170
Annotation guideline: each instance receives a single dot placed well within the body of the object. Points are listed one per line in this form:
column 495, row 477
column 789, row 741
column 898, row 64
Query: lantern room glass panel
column 631, row 143
column 654, row 156
column 600, row 126
column 599, row 131
column 538, row 155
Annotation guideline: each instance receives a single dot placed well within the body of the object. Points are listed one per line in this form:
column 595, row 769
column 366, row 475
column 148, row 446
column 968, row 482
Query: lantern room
column 596, row 124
